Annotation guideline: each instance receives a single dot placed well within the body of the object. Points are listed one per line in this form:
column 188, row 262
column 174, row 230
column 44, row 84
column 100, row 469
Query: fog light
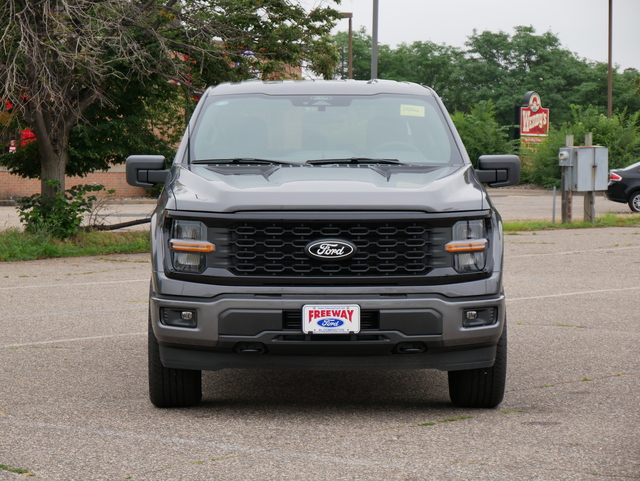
column 479, row 317
column 179, row 317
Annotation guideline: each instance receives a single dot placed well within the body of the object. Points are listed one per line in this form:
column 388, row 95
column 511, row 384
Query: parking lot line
column 41, row 286
column 73, row 339
column 577, row 293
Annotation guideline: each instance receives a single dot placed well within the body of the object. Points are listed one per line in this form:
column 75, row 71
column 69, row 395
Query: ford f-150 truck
column 325, row 225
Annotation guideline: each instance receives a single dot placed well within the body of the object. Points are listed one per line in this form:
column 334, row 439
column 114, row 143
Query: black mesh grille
column 260, row 249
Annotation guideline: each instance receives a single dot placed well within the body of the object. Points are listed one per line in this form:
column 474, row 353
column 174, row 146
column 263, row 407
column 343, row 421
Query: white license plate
column 330, row 319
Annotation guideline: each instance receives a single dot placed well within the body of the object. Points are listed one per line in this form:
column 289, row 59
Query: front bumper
column 617, row 192
column 415, row 331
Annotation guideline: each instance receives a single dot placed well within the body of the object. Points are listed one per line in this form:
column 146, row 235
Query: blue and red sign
column 336, row 319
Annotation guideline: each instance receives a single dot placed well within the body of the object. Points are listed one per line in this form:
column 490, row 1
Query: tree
column 620, row 134
column 502, row 67
column 58, row 58
column 361, row 43
column 481, row 133
column 139, row 118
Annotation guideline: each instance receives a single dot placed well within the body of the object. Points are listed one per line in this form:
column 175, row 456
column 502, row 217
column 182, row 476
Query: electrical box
column 590, row 167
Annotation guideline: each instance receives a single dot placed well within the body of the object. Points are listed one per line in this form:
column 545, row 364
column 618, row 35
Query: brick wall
column 12, row 186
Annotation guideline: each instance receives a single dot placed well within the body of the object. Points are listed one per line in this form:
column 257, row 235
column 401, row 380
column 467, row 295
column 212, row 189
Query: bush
column 59, row 216
column 620, row 134
column 481, row 133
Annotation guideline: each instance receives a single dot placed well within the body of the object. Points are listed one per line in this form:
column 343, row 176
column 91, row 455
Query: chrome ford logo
column 329, row 249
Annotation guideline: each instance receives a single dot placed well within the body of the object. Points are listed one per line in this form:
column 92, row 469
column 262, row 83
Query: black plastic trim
column 328, row 215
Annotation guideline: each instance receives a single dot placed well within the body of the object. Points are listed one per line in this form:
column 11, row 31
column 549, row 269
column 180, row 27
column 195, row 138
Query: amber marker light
column 191, row 246
column 466, row 245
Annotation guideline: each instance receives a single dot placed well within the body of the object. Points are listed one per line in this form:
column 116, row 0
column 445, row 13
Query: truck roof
column 325, row 87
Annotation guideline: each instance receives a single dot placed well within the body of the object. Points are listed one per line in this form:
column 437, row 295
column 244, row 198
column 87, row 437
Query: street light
column 374, row 42
column 610, row 71
column 349, row 15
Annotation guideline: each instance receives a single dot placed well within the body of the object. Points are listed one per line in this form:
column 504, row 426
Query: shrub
column 620, row 134
column 481, row 133
column 59, row 216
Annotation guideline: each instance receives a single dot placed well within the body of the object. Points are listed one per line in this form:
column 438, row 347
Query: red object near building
column 26, row 136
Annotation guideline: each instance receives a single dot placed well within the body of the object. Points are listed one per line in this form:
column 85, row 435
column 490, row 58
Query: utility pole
column 567, row 195
column 349, row 15
column 374, row 42
column 610, row 72
column 590, row 196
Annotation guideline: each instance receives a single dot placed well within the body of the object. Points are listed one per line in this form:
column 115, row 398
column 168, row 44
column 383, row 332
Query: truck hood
column 236, row 188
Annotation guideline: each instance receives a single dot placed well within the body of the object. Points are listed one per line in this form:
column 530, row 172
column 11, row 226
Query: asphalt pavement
column 74, row 402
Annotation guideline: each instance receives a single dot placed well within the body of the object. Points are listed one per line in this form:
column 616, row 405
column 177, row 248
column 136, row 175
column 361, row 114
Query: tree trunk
column 53, row 142
column 52, row 167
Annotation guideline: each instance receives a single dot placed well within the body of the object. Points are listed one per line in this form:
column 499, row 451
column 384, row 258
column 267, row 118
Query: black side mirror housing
column 498, row 170
column 146, row 170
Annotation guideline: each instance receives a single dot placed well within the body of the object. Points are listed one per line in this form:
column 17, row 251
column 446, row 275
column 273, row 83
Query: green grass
column 26, row 472
column 20, row 246
column 448, row 420
column 607, row 220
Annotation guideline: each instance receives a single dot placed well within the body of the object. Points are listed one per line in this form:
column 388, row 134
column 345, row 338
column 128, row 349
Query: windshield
column 297, row 129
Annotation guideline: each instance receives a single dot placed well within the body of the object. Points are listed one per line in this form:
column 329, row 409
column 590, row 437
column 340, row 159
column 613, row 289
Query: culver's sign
column 534, row 120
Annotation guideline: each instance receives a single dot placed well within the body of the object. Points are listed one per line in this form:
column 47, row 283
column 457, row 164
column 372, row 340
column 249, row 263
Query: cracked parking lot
column 74, row 403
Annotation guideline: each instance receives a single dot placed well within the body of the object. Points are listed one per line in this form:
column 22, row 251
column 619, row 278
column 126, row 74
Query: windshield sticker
column 412, row 110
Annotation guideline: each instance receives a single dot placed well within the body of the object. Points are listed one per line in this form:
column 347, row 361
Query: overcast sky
column 581, row 25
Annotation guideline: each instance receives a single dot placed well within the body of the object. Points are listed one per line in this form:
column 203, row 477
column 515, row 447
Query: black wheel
column 484, row 387
column 171, row 388
column 634, row 202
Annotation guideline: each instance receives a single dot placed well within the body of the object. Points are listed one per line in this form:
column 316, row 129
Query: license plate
column 330, row 319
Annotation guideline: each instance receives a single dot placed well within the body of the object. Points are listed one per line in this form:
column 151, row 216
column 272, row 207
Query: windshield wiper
column 353, row 160
column 242, row 160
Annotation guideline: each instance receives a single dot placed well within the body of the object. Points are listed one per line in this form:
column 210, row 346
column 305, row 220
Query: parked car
column 624, row 186
column 325, row 225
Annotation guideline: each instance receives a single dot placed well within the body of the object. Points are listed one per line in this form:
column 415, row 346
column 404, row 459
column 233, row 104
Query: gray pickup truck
column 325, row 225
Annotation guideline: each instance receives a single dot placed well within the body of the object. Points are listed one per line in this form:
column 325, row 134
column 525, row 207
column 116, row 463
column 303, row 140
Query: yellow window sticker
column 412, row 110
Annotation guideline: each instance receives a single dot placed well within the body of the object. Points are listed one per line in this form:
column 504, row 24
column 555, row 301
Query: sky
column 581, row 25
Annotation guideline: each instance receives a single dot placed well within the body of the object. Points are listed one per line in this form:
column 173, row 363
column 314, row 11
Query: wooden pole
column 374, row 42
column 566, row 187
column 590, row 196
column 610, row 71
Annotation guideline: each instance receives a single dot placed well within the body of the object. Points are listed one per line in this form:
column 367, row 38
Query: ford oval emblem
column 330, row 322
column 330, row 249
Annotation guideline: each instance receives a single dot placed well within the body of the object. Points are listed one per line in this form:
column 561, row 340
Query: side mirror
column 146, row 170
column 498, row 170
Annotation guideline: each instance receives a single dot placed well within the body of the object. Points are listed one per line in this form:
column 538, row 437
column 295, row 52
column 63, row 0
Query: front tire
column 483, row 387
column 168, row 387
column 634, row 202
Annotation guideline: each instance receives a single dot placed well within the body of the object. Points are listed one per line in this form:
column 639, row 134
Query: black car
column 624, row 186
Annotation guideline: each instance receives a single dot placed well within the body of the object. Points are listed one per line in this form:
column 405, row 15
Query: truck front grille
column 401, row 248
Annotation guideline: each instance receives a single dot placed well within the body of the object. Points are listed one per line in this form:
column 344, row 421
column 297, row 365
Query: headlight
column 189, row 245
column 468, row 246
